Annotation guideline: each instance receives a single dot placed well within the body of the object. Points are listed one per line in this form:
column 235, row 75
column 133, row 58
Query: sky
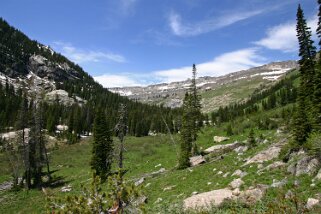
column 142, row 42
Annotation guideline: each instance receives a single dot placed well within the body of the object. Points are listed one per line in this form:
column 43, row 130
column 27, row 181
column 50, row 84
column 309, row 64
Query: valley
column 248, row 141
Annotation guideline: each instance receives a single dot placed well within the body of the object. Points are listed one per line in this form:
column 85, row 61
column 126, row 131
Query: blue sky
column 139, row 42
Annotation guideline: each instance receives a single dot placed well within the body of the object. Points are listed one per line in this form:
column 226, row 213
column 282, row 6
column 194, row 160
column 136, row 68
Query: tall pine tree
column 102, row 152
column 303, row 116
column 307, row 53
column 186, row 134
column 196, row 115
column 317, row 82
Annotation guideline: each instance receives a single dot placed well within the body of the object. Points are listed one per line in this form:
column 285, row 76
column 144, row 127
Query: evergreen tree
column 196, row 115
column 307, row 53
column 121, row 131
column 303, row 117
column 102, row 152
column 317, row 82
column 301, row 125
column 251, row 139
column 186, row 134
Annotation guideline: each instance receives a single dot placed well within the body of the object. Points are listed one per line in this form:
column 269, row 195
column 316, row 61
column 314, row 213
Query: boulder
column 66, row 188
column 275, row 165
column 161, row 170
column 237, row 183
column 226, row 174
column 169, row 188
column 305, row 165
column 196, row 160
column 266, row 155
column 311, row 203
column 140, row 181
column 239, row 173
column 219, row 139
column 251, row 196
column 241, row 149
column 236, row 192
column 207, row 199
column 222, row 148
column 277, row 183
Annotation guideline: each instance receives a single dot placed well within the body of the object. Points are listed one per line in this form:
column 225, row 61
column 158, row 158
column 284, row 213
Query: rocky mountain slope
column 237, row 85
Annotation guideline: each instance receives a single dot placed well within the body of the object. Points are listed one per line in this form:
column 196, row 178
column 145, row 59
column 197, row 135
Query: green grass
column 143, row 154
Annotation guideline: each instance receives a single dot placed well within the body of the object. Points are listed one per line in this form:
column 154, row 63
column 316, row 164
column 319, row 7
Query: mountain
column 71, row 95
column 215, row 91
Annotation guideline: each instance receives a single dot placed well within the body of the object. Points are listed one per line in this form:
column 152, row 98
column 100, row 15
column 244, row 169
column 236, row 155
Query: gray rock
column 277, row 183
column 236, row 192
column 239, row 173
column 196, row 160
column 311, row 203
column 241, row 149
column 140, row 181
column 169, row 188
column 305, row 165
column 221, row 148
column 66, row 188
column 266, row 155
column 251, row 196
column 237, row 183
column 226, row 174
column 158, row 200
column 206, row 199
column 219, row 139
column 275, row 165
column 161, row 170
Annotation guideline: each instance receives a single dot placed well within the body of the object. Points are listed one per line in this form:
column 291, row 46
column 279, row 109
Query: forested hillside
column 16, row 54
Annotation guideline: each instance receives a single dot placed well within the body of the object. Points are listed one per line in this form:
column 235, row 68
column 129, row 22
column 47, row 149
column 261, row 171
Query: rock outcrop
column 305, row 165
column 219, row 139
column 266, row 155
column 222, row 148
column 197, row 160
column 207, row 199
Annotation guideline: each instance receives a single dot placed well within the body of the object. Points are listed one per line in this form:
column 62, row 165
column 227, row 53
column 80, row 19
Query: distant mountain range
column 171, row 94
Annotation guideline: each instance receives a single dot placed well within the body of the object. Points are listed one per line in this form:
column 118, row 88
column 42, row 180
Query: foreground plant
column 119, row 198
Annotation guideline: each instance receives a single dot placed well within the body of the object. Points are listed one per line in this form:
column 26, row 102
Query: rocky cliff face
column 171, row 94
column 40, row 77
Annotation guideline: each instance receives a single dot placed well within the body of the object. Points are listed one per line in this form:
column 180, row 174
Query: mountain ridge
column 171, row 94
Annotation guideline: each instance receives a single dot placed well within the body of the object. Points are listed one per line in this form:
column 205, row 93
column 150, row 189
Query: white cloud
column 192, row 29
column 111, row 80
column 82, row 56
column 283, row 37
column 127, row 6
column 221, row 65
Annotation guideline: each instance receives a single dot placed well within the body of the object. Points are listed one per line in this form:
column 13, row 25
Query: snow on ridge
column 122, row 93
column 274, row 72
column 204, row 83
column 272, row 78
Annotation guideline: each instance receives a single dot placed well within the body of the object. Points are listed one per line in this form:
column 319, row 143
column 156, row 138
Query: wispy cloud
column 82, row 56
column 180, row 28
column 127, row 6
column 155, row 37
column 283, row 37
column 221, row 65
column 112, row 80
